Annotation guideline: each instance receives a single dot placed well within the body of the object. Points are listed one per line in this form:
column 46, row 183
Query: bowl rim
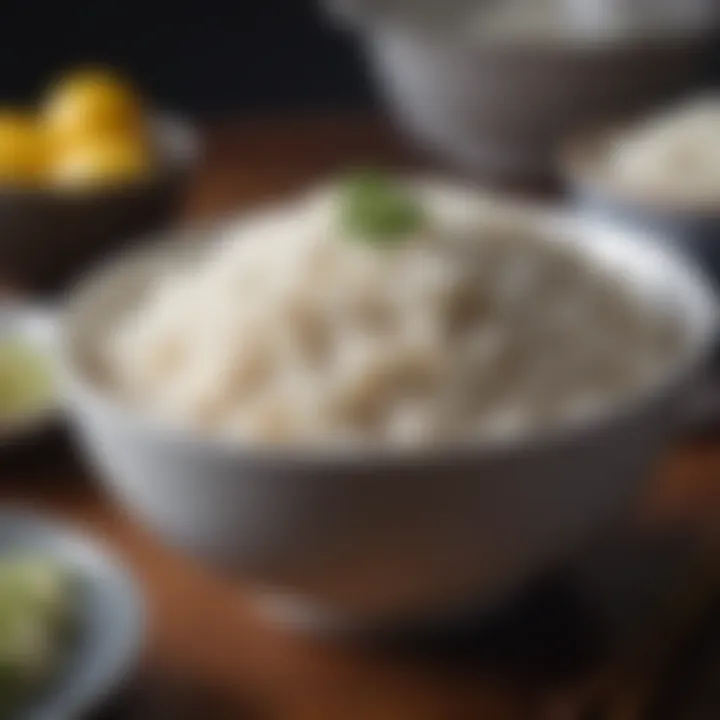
column 82, row 390
column 399, row 22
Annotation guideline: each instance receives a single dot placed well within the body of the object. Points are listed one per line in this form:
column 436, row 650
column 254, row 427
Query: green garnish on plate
column 375, row 208
column 35, row 617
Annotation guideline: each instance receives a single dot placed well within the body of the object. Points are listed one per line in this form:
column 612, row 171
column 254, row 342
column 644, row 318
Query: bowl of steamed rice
column 660, row 173
column 388, row 399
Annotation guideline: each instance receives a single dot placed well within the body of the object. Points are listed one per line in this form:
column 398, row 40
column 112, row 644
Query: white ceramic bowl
column 383, row 536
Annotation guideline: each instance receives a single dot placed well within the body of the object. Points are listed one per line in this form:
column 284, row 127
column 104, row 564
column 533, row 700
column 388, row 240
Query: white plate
column 107, row 640
column 36, row 326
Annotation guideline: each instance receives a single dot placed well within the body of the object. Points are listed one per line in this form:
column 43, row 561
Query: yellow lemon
column 22, row 150
column 100, row 162
column 91, row 103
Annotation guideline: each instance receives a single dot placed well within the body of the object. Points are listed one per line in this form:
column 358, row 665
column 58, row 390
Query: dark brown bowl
column 47, row 236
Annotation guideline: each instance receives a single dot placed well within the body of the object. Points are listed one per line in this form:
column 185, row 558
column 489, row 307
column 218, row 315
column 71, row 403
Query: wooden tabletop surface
column 203, row 632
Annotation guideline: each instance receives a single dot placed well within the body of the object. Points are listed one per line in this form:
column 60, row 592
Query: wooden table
column 203, row 632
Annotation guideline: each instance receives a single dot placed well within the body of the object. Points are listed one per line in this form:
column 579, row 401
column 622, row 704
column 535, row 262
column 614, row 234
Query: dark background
column 202, row 56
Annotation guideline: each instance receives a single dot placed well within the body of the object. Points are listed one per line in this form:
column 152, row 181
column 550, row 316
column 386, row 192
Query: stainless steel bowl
column 502, row 108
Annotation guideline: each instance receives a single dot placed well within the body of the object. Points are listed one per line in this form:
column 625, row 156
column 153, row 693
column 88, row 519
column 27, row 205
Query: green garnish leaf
column 375, row 208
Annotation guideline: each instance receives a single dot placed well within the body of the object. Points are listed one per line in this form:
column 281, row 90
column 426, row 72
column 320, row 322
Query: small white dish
column 108, row 631
column 32, row 325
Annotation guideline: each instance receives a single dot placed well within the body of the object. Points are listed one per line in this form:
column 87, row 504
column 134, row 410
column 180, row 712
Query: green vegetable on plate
column 35, row 616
